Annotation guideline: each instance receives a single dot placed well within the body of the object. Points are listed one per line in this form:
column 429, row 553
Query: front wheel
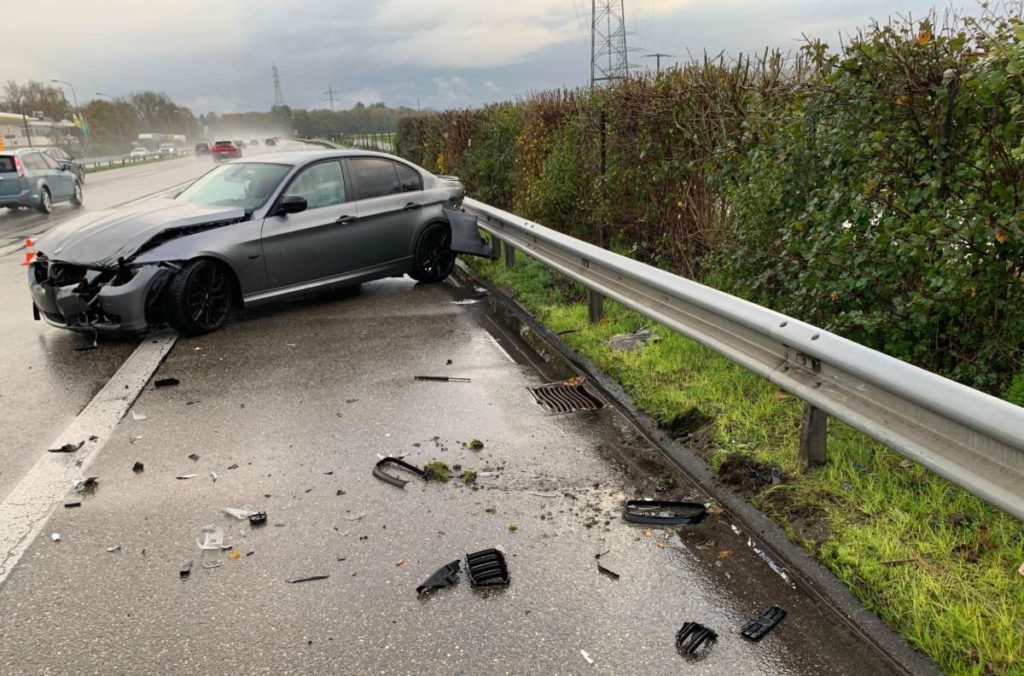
column 76, row 196
column 198, row 298
column 434, row 259
column 45, row 201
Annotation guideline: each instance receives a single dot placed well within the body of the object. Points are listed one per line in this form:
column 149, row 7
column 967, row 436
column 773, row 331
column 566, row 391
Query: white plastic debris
column 55, row 537
column 115, row 548
column 213, row 476
column 735, row 529
column 240, row 513
column 138, row 416
column 466, row 301
column 587, row 656
column 771, row 563
column 213, row 538
column 356, row 517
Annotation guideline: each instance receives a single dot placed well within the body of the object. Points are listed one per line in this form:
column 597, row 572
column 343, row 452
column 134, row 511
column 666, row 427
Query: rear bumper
column 25, row 198
column 109, row 309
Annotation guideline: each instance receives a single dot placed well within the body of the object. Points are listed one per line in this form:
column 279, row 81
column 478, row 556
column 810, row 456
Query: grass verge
column 939, row 565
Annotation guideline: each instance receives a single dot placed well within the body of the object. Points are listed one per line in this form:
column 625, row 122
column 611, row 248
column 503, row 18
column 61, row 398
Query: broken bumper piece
column 758, row 627
column 80, row 298
column 443, row 577
column 378, row 471
column 664, row 512
column 694, row 640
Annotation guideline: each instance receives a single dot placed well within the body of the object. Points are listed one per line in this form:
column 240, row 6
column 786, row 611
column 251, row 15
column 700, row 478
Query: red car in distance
column 225, row 150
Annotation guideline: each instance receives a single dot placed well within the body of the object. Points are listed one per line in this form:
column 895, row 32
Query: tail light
column 19, row 166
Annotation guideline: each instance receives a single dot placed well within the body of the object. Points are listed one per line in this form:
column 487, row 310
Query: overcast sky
column 216, row 55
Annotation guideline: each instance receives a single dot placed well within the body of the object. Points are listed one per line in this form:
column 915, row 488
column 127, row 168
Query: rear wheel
column 81, row 175
column 434, row 259
column 45, row 201
column 198, row 299
column 76, row 196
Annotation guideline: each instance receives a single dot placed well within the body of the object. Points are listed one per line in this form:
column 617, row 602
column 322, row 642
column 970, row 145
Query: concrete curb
column 813, row 577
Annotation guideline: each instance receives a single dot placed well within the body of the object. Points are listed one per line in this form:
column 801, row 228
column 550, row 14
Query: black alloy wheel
column 434, row 257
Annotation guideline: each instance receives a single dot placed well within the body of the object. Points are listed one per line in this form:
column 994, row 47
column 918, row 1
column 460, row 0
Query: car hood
column 101, row 239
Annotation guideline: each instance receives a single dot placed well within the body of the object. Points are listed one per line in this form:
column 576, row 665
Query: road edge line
column 28, row 507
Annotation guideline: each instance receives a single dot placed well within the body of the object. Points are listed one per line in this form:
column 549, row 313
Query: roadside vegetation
column 873, row 190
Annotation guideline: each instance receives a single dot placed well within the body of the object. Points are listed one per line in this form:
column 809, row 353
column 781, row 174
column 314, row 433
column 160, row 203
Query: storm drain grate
column 565, row 397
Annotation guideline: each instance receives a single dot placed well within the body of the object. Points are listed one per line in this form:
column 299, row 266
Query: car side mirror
column 290, row 204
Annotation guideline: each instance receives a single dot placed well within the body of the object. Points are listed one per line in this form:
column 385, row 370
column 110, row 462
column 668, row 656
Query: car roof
column 306, row 156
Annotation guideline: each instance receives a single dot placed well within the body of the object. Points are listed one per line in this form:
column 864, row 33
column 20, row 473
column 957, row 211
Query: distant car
column 249, row 233
column 225, row 150
column 31, row 178
column 254, row 141
column 61, row 156
column 202, row 149
column 270, row 142
column 168, row 150
column 138, row 153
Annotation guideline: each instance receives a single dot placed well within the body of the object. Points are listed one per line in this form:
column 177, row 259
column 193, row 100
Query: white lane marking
column 500, row 348
column 28, row 507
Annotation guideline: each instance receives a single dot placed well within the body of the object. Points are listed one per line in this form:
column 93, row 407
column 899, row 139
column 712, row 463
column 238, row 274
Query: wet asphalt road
column 290, row 408
column 44, row 383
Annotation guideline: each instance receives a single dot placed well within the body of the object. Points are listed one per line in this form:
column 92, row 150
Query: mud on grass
column 939, row 565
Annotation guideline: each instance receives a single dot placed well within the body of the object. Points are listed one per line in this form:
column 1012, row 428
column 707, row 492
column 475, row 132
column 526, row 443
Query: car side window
column 408, row 178
column 33, row 161
column 48, row 161
column 375, row 177
column 321, row 184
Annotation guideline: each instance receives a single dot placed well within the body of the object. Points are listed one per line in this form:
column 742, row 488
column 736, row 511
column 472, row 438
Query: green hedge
column 875, row 190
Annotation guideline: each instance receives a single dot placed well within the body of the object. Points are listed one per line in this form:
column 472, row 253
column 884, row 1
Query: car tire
column 434, row 259
column 76, row 196
column 45, row 205
column 197, row 300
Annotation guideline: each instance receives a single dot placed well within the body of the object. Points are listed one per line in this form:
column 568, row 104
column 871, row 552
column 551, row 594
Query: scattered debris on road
column 378, row 471
column 55, row 537
column 138, row 416
column 233, row 556
column 166, row 382
column 475, row 445
column 67, row 448
column 115, row 548
column 771, row 562
column 610, row 573
column 240, row 513
column 70, row 505
column 694, row 640
column 664, row 512
column 85, row 485
column 587, row 656
column 445, row 379
column 468, row 476
column 759, row 627
column 310, row 578
column 442, row 577
column 234, row 466
column 400, row 562
column 487, row 568
column 138, row 467
column 213, row 538
column 258, row 519
column 356, row 517
column 185, row 570
column 437, row 471
column 186, row 477
column 628, row 342
column 194, row 457
column 211, row 566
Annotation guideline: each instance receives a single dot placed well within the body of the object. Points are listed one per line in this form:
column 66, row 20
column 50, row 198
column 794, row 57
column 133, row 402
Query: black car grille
column 65, row 274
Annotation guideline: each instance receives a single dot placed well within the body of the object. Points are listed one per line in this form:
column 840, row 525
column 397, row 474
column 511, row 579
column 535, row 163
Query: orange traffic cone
column 29, row 255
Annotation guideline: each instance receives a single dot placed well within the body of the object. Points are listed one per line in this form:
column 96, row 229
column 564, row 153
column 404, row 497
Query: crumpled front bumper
column 88, row 305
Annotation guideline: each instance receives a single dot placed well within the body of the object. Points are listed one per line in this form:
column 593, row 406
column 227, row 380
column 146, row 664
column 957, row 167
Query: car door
column 61, row 181
column 388, row 216
column 303, row 249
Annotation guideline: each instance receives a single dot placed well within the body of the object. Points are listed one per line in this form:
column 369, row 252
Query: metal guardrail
column 973, row 439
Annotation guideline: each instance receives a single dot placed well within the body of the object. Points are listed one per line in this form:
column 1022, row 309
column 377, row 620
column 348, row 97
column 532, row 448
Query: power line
column 609, row 56
column 329, row 95
column 278, row 96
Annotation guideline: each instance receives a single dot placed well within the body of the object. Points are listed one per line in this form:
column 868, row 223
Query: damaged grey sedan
column 249, row 233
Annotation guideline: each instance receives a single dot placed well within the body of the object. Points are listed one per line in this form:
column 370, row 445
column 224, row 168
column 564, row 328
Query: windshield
column 247, row 185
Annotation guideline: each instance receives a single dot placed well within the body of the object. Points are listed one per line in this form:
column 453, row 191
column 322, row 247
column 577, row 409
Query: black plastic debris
column 166, row 382
column 664, row 512
column 258, row 519
column 194, row 457
column 309, row 578
column 70, row 505
column 67, row 448
column 487, row 568
column 610, row 573
column 759, row 627
column 186, row 570
column 444, row 577
column 694, row 640
column 444, row 379
column 138, row 467
column 378, row 471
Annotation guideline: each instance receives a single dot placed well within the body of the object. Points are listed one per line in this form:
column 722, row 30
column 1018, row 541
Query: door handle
column 409, row 206
column 342, row 220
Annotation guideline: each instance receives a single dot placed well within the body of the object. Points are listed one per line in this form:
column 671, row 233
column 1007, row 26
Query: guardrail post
column 595, row 306
column 813, row 437
column 510, row 256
